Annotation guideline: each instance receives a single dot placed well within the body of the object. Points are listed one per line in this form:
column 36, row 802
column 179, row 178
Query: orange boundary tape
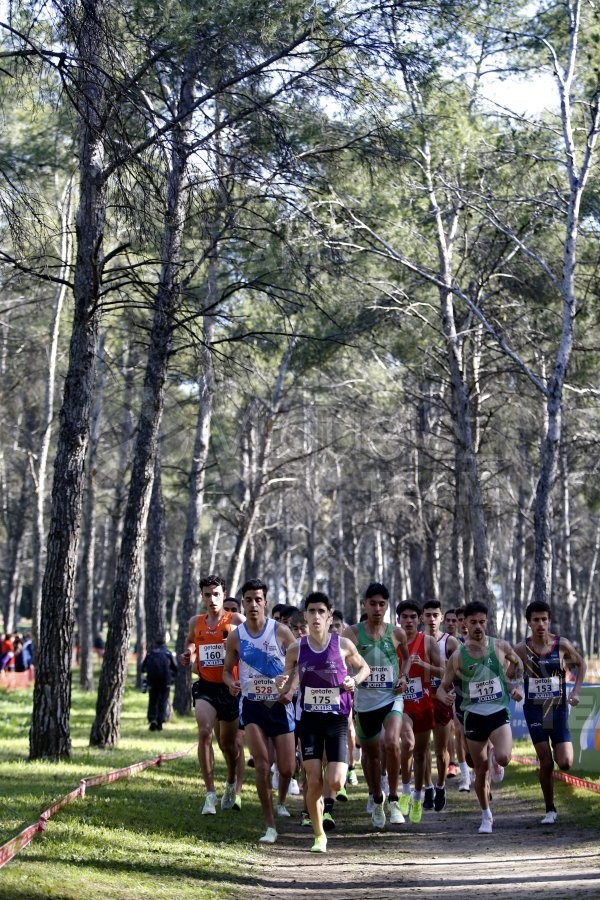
column 12, row 847
column 562, row 776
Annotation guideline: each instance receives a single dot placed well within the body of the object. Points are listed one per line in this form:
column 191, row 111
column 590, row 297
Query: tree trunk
column 106, row 727
column 154, row 589
column 50, row 734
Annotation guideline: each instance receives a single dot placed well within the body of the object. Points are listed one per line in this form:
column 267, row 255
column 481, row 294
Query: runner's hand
column 185, row 657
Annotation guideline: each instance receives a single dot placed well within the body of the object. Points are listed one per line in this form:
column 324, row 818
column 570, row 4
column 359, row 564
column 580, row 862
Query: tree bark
column 50, row 727
column 154, row 584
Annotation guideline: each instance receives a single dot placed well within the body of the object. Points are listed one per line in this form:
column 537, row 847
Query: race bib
column 322, row 699
column 261, row 689
column 485, row 691
column 544, row 688
column 380, row 677
column 414, row 691
column 212, row 654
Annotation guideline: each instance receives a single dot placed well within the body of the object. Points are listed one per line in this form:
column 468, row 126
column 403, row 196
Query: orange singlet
column 210, row 647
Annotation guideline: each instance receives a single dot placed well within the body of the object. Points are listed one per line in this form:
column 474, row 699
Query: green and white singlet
column 484, row 689
column 381, row 656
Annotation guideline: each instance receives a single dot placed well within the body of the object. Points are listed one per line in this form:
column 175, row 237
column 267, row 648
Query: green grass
column 142, row 836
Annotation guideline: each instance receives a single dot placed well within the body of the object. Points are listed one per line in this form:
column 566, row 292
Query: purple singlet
column 321, row 675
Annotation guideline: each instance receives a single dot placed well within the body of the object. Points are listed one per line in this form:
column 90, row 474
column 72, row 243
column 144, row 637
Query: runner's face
column 539, row 624
column 475, row 625
column 254, row 605
column 230, row 606
column 409, row 620
column 336, row 626
column 318, row 618
column 451, row 623
column 462, row 625
column 375, row 608
column 431, row 620
column 212, row 597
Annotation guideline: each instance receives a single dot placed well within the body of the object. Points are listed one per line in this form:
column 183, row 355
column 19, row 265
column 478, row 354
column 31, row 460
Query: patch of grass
column 142, row 836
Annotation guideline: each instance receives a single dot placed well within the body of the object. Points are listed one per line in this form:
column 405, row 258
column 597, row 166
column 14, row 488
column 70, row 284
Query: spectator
column 160, row 667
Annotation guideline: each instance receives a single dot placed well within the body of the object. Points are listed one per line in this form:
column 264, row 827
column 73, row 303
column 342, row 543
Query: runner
column 442, row 713
column 378, row 703
column 545, row 657
column 259, row 646
column 213, row 704
column 338, row 626
column 424, row 657
column 318, row 662
column 480, row 664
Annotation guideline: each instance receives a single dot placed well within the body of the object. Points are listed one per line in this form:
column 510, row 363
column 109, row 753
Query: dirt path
column 443, row 858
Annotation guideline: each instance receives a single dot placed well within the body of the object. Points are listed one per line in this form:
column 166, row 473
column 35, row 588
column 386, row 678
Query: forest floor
column 443, row 858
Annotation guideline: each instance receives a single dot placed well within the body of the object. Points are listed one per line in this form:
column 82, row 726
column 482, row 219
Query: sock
column 351, row 768
column 429, row 787
column 417, row 795
column 551, row 808
column 464, row 769
column 394, row 798
column 441, row 787
column 486, row 813
column 406, row 788
column 329, row 805
column 378, row 800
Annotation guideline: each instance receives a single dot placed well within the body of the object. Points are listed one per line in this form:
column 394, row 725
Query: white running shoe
column 550, row 817
column 269, row 837
column 396, row 817
column 294, row 788
column 486, row 824
column 370, row 804
column 228, row 798
column 378, row 817
column 210, row 804
column 282, row 811
column 464, row 784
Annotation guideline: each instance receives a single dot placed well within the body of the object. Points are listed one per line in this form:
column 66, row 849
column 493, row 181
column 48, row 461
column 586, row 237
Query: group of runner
column 302, row 694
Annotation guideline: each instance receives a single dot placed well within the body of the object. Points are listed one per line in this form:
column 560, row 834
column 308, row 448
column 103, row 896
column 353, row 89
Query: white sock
column 417, row 795
column 406, row 788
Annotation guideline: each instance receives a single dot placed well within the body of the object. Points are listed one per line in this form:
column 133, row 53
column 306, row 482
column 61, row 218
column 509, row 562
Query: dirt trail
column 443, row 858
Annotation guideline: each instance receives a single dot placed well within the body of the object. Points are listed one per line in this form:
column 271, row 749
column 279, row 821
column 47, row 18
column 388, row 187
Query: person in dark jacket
column 160, row 667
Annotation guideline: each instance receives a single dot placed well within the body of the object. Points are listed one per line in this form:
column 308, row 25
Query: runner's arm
column 232, row 655
column 445, row 691
column 189, row 654
column 516, row 667
column 401, row 642
column 355, row 661
column 287, row 682
column 351, row 633
column 574, row 658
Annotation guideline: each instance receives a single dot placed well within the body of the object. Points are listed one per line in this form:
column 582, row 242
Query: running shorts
column 273, row 718
column 324, row 734
column 478, row 728
column 217, row 695
column 548, row 725
column 369, row 724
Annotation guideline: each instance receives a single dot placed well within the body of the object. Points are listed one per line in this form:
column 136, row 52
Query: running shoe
column 550, row 817
column 305, row 822
column 153, row 726
column 396, row 817
column 428, row 798
column 282, row 811
column 342, row 795
column 404, row 803
column 370, row 804
column 228, row 798
column 496, row 771
column 269, row 837
column 320, row 844
column 352, row 777
column 486, row 824
column 210, row 804
column 250, row 762
column 464, row 784
column 294, row 788
column 378, row 817
column 238, row 802
column 439, row 801
column 416, row 811
column 328, row 821
column 452, row 771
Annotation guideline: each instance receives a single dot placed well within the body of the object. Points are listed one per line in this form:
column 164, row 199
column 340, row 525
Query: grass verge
column 140, row 837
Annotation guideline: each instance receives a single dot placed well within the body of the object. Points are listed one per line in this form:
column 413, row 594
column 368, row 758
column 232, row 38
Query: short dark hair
column 432, row 604
column 408, row 604
column 338, row 614
column 297, row 618
column 212, row 581
column 539, row 606
column 317, row 597
column 460, row 610
column 232, row 600
column 375, row 589
column 278, row 608
column 254, row 584
column 450, row 612
column 474, row 608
